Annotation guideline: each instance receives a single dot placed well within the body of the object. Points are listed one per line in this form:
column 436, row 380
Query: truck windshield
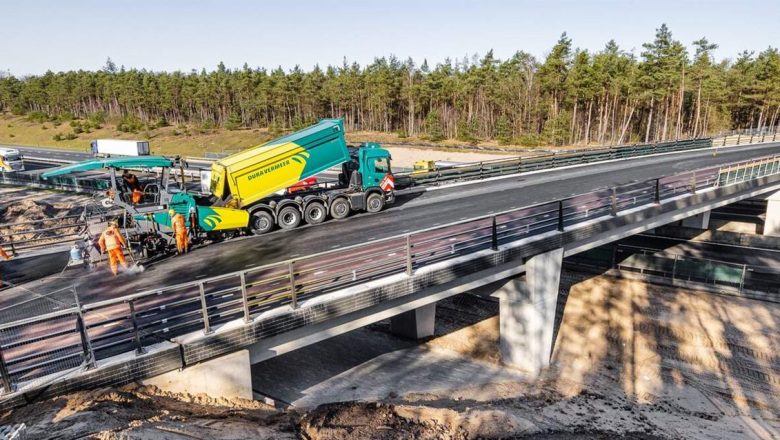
column 382, row 165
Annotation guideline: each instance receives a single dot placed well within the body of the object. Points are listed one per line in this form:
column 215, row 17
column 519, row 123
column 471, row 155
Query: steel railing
column 80, row 336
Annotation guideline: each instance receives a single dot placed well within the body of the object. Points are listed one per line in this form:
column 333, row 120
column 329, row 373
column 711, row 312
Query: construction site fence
column 77, row 337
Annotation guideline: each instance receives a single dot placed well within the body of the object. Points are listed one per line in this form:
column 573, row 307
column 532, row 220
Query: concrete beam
column 527, row 313
column 772, row 221
column 698, row 221
column 415, row 324
column 228, row 376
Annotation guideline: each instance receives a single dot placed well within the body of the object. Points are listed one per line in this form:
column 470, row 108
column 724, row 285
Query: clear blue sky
column 36, row 36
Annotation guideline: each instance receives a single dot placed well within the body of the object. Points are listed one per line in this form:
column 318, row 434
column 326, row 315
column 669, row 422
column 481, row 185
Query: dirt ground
column 406, row 156
column 631, row 361
column 22, row 205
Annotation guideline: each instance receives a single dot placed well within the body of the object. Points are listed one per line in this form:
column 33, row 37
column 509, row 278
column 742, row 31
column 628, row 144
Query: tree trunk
column 649, row 120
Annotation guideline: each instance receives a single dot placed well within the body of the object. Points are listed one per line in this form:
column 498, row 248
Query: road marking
column 392, row 255
column 320, row 272
column 335, row 246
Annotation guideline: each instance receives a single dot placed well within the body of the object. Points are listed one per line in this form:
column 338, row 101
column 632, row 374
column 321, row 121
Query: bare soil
column 28, row 213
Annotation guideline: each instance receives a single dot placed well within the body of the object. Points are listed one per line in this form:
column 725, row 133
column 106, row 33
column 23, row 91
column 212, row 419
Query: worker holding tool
column 111, row 240
column 180, row 231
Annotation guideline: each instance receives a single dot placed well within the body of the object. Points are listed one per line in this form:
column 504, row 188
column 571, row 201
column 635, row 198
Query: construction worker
column 137, row 196
column 111, row 240
column 179, row 231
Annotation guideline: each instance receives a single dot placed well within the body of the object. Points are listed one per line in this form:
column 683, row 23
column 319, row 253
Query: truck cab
column 10, row 160
column 372, row 164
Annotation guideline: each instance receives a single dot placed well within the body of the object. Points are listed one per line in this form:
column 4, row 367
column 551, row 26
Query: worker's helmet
column 171, row 212
column 114, row 222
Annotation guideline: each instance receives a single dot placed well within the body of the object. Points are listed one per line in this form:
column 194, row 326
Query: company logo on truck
column 299, row 158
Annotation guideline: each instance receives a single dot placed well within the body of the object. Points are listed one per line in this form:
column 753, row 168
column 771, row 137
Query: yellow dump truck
column 257, row 179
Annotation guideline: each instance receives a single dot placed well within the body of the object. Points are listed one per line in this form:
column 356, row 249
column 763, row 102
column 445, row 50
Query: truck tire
column 261, row 222
column 375, row 202
column 315, row 213
column 289, row 217
column 339, row 208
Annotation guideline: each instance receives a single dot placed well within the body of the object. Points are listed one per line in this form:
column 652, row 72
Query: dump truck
column 257, row 179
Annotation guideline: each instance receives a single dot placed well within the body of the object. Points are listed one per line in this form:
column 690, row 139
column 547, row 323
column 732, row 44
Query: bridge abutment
column 772, row 221
column 227, row 376
column 415, row 324
column 527, row 313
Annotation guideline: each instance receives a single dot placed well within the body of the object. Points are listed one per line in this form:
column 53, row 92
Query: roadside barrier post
column 657, row 196
column 205, row 309
column 693, row 183
column 8, row 387
column 139, row 349
column 293, row 293
column 244, row 299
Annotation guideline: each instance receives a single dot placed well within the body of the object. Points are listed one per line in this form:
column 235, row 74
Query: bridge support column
column 698, row 221
column 772, row 221
column 228, row 376
column 527, row 313
column 415, row 324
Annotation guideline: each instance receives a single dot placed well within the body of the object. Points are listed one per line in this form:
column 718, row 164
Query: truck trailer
column 118, row 147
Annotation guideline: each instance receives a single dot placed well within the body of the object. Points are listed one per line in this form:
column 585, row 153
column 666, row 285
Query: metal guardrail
column 500, row 167
column 79, row 336
column 740, row 277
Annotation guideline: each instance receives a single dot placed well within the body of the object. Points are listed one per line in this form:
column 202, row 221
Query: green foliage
column 130, row 124
column 503, row 130
column 570, row 95
column 402, row 134
column 433, row 127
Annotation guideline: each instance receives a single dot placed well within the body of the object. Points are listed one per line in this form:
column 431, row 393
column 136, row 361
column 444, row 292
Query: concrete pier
column 698, row 221
column 527, row 313
column 772, row 221
column 415, row 324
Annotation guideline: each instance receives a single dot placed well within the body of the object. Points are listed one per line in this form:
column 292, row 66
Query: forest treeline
column 571, row 96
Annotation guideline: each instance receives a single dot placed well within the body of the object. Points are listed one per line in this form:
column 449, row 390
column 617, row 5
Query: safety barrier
column 500, row 167
column 79, row 336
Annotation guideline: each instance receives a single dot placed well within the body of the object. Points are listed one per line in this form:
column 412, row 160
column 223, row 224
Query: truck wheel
column 262, row 222
column 289, row 217
column 339, row 208
column 375, row 202
column 314, row 213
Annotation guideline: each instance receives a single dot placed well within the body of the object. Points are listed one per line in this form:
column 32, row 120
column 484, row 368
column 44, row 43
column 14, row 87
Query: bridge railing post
column 244, row 299
column 742, row 278
column 204, row 308
column 139, row 348
column 293, row 290
column 693, row 183
column 409, row 260
column 5, row 377
column 613, row 202
column 86, row 346
column 494, row 235
column 560, row 216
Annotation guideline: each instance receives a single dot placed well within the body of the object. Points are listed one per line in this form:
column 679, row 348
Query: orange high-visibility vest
column 111, row 241
column 177, row 223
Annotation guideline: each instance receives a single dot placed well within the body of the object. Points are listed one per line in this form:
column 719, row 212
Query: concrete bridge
column 229, row 322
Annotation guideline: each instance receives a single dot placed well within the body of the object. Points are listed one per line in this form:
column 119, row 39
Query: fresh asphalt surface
column 410, row 213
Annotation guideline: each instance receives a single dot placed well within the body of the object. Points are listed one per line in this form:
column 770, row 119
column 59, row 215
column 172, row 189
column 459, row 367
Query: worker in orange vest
column 136, row 196
column 111, row 240
column 179, row 231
